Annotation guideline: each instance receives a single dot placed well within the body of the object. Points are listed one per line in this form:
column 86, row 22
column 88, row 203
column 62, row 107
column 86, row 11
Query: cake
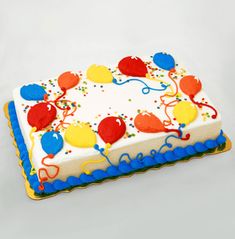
column 102, row 122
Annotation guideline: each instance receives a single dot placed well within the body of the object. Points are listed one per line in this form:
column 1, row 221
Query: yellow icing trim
column 33, row 130
column 84, row 164
column 99, row 74
column 185, row 112
column 80, row 135
column 106, row 149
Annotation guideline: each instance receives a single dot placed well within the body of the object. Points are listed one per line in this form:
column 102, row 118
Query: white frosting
column 115, row 100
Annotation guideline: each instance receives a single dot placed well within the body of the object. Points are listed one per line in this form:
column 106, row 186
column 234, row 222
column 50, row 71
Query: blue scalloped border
column 124, row 168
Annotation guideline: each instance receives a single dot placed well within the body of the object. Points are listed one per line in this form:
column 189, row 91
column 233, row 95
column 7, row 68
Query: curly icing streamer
column 48, row 175
column 103, row 152
column 146, row 89
column 166, row 144
column 169, row 94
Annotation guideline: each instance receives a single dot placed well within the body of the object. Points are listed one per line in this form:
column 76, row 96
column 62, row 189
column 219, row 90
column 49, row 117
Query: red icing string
column 58, row 98
column 187, row 136
column 176, row 87
column 200, row 104
column 168, row 122
column 43, row 179
column 65, row 115
column 65, row 110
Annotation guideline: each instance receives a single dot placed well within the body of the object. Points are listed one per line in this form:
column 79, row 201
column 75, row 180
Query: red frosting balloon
column 190, row 85
column 132, row 66
column 111, row 129
column 68, row 80
column 41, row 115
column 148, row 123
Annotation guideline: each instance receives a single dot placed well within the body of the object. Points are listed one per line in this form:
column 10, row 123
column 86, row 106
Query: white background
column 41, row 39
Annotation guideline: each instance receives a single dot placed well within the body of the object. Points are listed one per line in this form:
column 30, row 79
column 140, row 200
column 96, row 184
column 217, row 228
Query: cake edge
column 124, row 169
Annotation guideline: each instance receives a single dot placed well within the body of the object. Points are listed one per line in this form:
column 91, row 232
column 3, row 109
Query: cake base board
column 31, row 194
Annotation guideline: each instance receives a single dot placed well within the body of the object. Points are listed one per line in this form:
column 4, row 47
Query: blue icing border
column 123, row 168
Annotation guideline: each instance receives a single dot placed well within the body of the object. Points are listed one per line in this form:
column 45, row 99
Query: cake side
column 156, row 95
column 32, row 183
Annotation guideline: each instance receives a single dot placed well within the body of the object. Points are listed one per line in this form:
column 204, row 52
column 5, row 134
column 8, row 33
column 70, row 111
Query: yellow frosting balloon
column 80, row 135
column 185, row 112
column 99, row 74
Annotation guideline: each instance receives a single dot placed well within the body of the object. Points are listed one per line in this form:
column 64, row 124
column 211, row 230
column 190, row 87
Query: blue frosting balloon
column 52, row 142
column 32, row 92
column 164, row 61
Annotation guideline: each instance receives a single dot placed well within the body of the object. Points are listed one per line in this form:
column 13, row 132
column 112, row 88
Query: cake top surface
column 79, row 113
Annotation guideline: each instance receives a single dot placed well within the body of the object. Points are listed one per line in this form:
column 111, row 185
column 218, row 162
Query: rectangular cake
column 103, row 122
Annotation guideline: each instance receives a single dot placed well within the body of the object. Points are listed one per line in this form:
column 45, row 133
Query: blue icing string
column 138, row 156
column 140, row 162
column 32, row 92
column 153, row 152
column 101, row 150
column 146, row 89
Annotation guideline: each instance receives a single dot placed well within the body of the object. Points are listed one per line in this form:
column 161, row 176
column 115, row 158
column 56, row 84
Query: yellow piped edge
column 31, row 194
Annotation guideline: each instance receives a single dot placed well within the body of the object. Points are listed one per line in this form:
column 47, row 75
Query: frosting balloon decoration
column 99, row 74
column 68, row 80
column 41, row 115
column 132, row 66
column 52, row 142
column 190, row 85
column 149, row 123
column 32, row 92
column 164, row 61
column 80, row 135
column 185, row 112
column 111, row 129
